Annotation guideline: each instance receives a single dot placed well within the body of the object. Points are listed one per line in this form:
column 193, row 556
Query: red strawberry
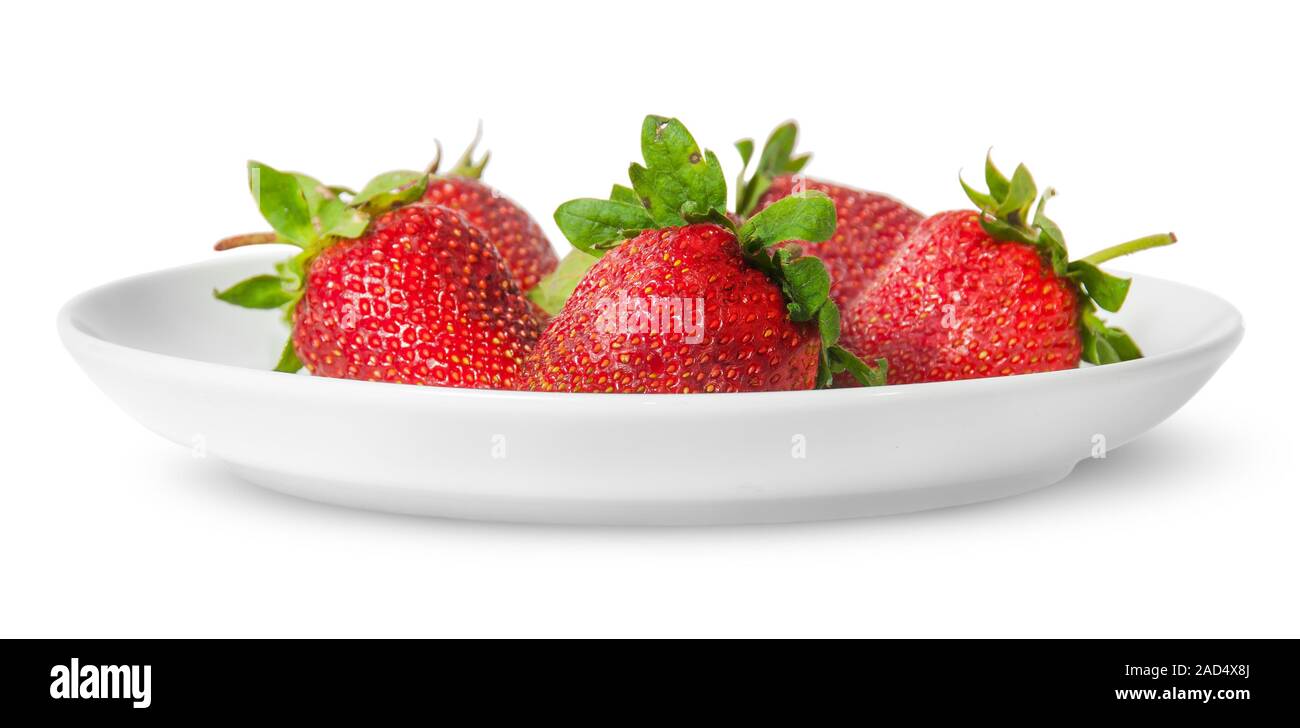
column 527, row 252
column 683, row 301
column 991, row 293
column 870, row 227
column 734, row 333
column 414, row 294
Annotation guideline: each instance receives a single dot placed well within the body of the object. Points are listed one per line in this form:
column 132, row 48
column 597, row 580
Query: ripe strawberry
column 870, row 228
column 683, row 301
column 991, row 293
column 527, row 252
column 735, row 334
column 385, row 289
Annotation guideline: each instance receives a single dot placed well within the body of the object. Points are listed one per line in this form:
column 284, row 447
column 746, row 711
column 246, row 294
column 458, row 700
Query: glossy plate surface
column 193, row 370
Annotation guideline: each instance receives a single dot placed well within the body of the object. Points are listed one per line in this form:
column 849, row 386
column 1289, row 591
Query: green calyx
column 311, row 216
column 466, row 166
column 775, row 160
column 1008, row 213
column 682, row 184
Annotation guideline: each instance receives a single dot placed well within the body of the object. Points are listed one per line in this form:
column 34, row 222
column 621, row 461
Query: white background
column 125, row 130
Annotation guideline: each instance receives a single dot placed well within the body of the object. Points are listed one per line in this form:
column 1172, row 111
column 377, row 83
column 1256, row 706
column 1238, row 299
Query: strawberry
column 870, row 227
column 992, row 293
column 527, row 252
column 681, row 298
column 753, row 347
column 385, row 289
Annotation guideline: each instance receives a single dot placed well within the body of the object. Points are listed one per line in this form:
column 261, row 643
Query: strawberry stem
column 239, row 241
column 1132, row 246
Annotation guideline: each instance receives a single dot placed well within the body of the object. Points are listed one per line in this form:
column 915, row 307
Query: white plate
column 193, row 370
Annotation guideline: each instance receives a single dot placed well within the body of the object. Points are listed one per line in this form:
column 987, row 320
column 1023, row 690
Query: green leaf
column 806, row 286
column 809, row 216
column 1005, row 210
column 313, row 190
column 1103, row 344
column 330, row 216
column 746, row 149
column 390, row 189
column 758, row 186
column 289, row 361
column 341, row 220
column 825, row 377
column 843, row 360
column 282, row 202
column 466, row 166
column 554, row 290
column 1014, row 207
column 592, row 225
column 1002, row 230
column 264, row 291
column 984, row 202
column 774, row 161
column 293, row 277
column 993, row 177
column 1096, row 350
column 1122, row 343
column 712, row 216
column 292, row 272
column 828, row 323
column 621, row 193
column 777, row 150
column 665, row 142
column 676, row 170
column 776, row 158
column 1050, row 236
column 1109, row 291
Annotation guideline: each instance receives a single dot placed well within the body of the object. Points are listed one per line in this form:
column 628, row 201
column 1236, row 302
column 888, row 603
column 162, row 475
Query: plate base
column 753, row 510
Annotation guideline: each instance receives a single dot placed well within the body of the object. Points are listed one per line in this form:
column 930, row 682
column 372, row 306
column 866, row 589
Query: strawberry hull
column 870, row 228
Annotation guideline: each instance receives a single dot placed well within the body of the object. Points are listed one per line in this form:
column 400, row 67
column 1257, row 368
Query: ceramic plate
column 194, row 370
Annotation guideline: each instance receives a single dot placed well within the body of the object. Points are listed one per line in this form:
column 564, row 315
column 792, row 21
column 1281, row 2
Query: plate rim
column 77, row 340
